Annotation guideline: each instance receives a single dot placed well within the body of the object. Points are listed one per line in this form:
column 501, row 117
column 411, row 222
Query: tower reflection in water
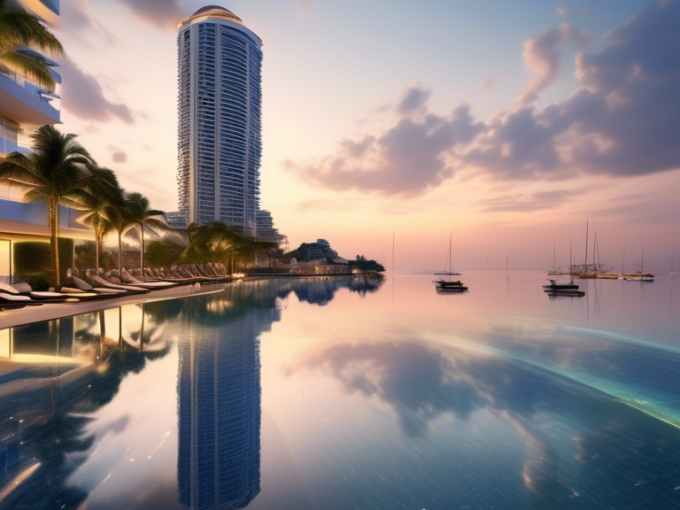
column 219, row 398
column 219, row 390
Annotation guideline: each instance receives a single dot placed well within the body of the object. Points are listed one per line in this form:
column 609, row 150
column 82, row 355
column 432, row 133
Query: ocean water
column 350, row 393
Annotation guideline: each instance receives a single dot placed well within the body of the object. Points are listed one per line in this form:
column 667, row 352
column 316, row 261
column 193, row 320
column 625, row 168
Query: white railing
column 46, row 97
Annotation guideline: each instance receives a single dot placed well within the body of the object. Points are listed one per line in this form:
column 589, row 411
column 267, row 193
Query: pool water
column 350, row 393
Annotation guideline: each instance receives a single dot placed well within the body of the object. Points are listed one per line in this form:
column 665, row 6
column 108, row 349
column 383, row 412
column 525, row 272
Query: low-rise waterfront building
column 318, row 258
column 176, row 220
column 266, row 230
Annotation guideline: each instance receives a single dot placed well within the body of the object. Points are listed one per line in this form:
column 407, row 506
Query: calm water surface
column 350, row 394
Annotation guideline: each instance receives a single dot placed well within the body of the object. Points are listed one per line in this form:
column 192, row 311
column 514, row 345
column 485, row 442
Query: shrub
column 364, row 266
column 85, row 257
column 162, row 252
column 38, row 282
column 32, row 258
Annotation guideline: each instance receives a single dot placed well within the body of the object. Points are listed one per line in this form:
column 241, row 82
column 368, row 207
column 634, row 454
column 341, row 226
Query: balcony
column 27, row 103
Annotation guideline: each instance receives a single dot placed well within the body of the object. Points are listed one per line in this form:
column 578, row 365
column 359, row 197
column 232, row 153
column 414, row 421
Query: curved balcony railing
column 45, row 96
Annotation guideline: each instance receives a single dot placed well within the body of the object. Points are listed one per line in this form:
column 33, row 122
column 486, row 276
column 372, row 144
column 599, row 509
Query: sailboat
column 449, row 286
column 556, row 270
column 641, row 276
column 449, row 272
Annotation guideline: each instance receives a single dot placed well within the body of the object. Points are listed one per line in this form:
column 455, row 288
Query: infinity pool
column 350, row 393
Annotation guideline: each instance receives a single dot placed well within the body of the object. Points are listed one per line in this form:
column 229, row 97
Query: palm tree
column 101, row 203
column 140, row 214
column 18, row 29
column 119, row 217
column 55, row 173
column 217, row 241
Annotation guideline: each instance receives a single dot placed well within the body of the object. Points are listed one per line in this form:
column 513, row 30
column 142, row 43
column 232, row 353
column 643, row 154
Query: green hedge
column 33, row 261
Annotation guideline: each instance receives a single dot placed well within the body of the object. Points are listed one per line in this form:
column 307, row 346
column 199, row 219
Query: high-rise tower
column 220, row 100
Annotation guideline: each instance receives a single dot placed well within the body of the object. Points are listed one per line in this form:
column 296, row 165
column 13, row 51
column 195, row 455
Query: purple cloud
column 118, row 155
column 622, row 122
column 414, row 101
column 84, row 96
column 522, row 202
column 162, row 14
column 542, row 55
column 406, row 160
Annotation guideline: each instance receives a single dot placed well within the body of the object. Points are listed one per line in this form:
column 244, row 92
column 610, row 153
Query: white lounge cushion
column 8, row 289
column 104, row 290
column 71, row 290
column 14, row 298
column 81, row 284
column 46, row 294
column 24, row 288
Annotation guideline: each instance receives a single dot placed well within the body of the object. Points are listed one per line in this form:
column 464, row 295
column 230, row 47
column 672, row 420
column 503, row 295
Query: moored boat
column 444, row 283
column 560, row 286
column 451, row 290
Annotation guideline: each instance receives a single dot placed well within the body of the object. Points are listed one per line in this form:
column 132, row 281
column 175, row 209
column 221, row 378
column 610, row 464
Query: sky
column 507, row 125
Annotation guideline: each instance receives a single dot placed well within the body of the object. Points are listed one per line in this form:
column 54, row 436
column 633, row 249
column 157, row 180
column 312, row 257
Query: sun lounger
column 13, row 301
column 129, row 279
column 129, row 288
column 175, row 276
column 81, row 287
column 24, row 289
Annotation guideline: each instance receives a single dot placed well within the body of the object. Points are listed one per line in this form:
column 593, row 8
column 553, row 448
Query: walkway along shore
column 51, row 311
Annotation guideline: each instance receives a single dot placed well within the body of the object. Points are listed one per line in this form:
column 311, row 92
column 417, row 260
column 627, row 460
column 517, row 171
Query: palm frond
column 18, row 26
column 35, row 195
column 20, row 168
column 32, row 68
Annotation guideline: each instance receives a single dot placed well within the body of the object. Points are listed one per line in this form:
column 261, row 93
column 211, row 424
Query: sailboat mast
column 392, row 252
column 673, row 259
column 623, row 266
column 570, row 260
column 642, row 261
column 554, row 258
column 450, row 245
column 585, row 261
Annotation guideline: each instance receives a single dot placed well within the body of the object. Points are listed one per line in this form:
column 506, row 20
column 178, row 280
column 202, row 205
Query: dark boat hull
column 451, row 290
column 565, row 293
column 442, row 283
column 565, row 286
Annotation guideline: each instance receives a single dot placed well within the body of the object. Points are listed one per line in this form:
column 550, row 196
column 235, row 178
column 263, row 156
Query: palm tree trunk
column 120, row 253
column 53, row 215
column 141, row 253
column 141, row 332
column 96, row 250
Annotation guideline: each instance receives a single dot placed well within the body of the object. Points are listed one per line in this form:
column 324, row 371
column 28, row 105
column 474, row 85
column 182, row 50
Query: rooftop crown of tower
column 212, row 11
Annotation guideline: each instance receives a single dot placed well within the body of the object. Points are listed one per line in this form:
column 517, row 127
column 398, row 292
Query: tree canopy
column 364, row 266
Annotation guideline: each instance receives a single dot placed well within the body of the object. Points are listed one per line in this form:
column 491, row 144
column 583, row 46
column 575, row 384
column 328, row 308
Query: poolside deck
column 50, row 311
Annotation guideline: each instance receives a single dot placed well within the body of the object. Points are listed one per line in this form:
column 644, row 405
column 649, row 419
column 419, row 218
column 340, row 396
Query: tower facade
column 220, row 119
